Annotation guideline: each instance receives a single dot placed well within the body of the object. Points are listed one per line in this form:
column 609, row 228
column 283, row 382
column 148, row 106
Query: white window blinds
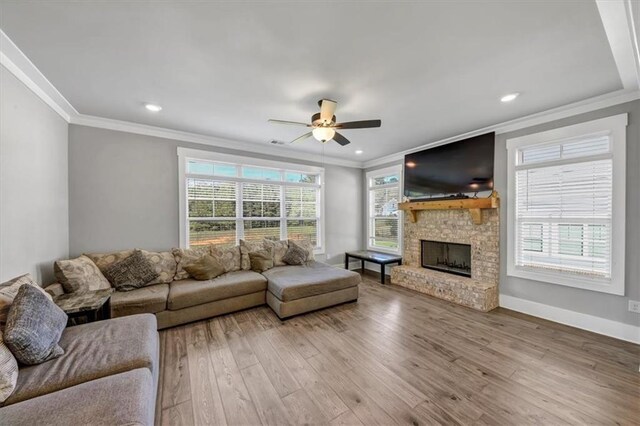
column 384, row 196
column 564, row 207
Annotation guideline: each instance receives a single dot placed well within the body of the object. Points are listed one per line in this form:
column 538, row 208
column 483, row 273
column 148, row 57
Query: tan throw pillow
column 188, row 256
column 295, row 255
column 278, row 248
column 261, row 260
column 247, row 247
column 307, row 246
column 205, row 268
column 164, row 263
column 79, row 275
column 104, row 260
column 8, row 371
column 229, row 256
column 8, row 291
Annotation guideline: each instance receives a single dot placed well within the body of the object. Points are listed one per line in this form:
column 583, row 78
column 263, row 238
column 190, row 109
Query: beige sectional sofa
column 107, row 375
column 288, row 290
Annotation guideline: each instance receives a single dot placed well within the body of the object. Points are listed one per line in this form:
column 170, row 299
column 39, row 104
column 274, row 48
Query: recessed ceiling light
column 153, row 107
column 359, row 151
column 509, row 97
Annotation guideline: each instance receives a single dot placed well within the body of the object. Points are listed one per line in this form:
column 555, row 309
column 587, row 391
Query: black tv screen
column 465, row 166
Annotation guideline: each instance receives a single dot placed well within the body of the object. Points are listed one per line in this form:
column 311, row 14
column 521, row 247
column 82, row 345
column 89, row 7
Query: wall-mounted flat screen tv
column 463, row 167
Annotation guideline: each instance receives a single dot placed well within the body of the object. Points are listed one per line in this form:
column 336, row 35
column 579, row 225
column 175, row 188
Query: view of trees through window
column 384, row 195
column 227, row 202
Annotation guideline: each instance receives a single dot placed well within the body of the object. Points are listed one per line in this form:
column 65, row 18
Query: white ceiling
column 429, row 70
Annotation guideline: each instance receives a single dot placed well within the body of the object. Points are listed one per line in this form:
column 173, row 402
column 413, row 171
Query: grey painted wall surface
column 123, row 193
column 34, row 215
column 584, row 301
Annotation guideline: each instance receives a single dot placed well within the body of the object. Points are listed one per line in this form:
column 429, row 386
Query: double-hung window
column 566, row 210
column 383, row 196
column 226, row 198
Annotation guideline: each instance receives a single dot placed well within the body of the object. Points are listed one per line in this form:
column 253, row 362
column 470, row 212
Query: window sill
column 612, row 286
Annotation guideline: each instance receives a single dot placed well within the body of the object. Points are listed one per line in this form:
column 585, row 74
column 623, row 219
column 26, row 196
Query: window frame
column 396, row 169
column 186, row 154
column 615, row 128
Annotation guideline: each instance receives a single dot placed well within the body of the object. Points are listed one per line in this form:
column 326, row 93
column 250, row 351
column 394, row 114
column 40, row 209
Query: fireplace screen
column 453, row 258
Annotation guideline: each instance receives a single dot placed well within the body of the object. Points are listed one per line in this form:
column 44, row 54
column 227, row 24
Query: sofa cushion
column 131, row 273
column 122, row 399
column 92, row 351
column 186, row 293
column 295, row 282
column 279, row 248
column 34, row 326
column 229, row 256
column 245, row 248
column 79, row 274
column 146, row 300
column 205, row 268
column 8, row 371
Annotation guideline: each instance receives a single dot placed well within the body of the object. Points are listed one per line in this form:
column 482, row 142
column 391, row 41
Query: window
column 225, row 198
column 384, row 228
column 567, row 204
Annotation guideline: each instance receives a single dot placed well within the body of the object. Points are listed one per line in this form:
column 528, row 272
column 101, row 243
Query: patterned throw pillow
column 164, row 263
column 295, row 255
column 307, row 246
column 104, row 260
column 34, row 327
column 131, row 273
column 261, row 260
column 188, row 256
column 205, row 268
column 8, row 371
column 247, row 247
column 229, row 256
column 79, row 275
column 9, row 290
column 278, row 248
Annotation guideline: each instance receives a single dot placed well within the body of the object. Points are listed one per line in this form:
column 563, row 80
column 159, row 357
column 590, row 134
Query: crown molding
column 617, row 19
column 17, row 63
column 570, row 110
column 162, row 132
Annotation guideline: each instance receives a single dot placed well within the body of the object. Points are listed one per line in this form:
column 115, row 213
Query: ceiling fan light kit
column 324, row 124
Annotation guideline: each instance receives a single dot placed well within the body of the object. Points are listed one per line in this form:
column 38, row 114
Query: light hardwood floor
column 394, row 357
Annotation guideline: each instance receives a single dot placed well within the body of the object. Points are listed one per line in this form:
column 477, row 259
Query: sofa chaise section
column 293, row 290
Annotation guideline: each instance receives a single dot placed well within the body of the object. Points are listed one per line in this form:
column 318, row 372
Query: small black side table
column 93, row 305
column 381, row 259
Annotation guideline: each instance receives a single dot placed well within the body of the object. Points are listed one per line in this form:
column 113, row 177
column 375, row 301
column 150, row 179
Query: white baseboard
column 618, row 330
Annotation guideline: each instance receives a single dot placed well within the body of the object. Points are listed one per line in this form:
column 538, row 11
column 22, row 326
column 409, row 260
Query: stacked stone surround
column 453, row 226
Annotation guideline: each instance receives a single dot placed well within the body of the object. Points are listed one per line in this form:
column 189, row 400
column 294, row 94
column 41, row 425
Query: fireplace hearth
column 452, row 258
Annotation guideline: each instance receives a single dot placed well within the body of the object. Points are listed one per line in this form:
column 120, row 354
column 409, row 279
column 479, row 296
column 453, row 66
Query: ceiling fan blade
column 291, row 123
column 303, row 137
column 327, row 108
column 359, row 124
column 341, row 139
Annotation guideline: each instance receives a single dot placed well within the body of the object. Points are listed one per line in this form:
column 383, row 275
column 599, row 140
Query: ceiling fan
column 324, row 124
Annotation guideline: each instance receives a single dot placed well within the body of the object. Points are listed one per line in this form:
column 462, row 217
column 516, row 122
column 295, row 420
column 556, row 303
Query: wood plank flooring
column 394, row 357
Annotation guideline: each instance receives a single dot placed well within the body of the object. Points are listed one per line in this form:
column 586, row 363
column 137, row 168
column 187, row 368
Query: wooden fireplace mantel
column 474, row 205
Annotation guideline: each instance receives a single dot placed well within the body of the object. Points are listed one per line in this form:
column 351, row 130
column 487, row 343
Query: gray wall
column 588, row 302
column 123, row 193
column 34, row 214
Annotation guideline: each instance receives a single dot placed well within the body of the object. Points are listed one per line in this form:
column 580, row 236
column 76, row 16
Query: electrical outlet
column 634, row 306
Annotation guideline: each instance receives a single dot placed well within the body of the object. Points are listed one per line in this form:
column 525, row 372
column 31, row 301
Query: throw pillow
column 104, row 260
column 9, row 290
column 164, row 263
column 229, row 256
column 261, row 260
column 247, row 247
column 187, row 257
column 34, row 327
column 205, row 268
column 8, row 371
column 131, row 273
column 295, row 255
column 79, row 275
column 279, row 248
column 307, row 245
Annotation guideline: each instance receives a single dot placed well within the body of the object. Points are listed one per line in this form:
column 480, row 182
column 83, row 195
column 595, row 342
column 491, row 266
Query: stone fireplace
column 447, row 255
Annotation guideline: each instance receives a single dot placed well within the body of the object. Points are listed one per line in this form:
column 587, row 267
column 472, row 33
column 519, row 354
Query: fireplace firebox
column 452, row 258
